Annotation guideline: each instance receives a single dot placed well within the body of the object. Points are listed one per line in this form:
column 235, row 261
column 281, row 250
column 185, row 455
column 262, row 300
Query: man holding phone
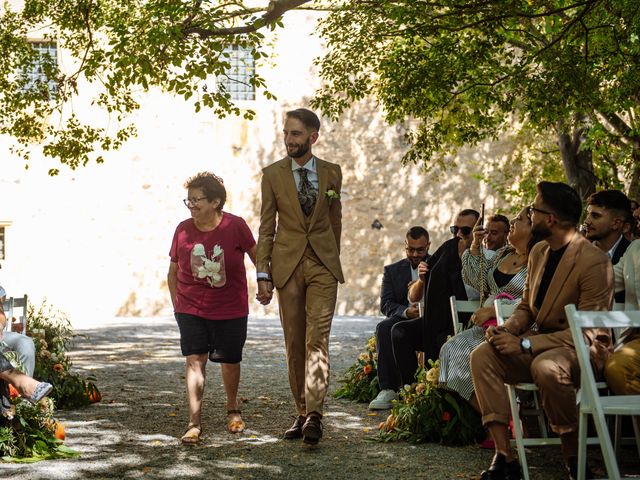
column 395, row 306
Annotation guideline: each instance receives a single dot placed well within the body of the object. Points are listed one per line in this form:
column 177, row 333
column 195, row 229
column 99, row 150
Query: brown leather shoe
column 312, row 430
column 295, row 431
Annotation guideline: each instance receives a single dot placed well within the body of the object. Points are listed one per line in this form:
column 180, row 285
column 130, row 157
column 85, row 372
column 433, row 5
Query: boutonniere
column 331, row 194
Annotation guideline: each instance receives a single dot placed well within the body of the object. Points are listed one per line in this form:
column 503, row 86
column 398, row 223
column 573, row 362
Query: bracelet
column 264, row 280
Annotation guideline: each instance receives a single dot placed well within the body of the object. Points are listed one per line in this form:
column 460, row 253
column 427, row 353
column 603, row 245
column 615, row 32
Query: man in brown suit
column 535, row 342
column 299, row 252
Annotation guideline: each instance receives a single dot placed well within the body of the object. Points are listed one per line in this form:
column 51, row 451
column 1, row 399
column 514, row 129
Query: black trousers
column 388, row 375
column 406, row 339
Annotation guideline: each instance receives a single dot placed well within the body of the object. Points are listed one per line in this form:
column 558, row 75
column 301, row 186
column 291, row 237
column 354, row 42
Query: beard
column 541, row 230
column 300, row 149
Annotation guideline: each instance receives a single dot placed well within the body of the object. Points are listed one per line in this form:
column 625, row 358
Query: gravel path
column 134, row 431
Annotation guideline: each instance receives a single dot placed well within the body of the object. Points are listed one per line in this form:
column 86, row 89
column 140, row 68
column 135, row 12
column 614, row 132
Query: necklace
column 518, row 258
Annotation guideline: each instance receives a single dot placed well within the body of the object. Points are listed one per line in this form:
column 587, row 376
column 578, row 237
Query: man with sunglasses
column 442, row 273
column 395, row 306
column 534, row 344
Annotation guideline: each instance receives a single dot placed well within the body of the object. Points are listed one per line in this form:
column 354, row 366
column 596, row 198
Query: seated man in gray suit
column 18, row 342
column 395, row 306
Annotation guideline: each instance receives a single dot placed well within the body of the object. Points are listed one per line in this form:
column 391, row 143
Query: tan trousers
column 555, row 372
column 622, row 370
column 307, row 302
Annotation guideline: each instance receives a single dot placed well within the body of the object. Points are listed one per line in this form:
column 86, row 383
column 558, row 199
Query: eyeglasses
column 533, row 208
column 419, row 251
column 464, row 230
column 188, row 202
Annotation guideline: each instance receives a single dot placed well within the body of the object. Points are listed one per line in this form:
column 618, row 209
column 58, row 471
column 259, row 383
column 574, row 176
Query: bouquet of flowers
column 426, row 413
column 51, row 332
column 360, row 381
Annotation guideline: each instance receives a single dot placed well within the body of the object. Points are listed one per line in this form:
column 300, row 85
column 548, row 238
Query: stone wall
column 95, row 242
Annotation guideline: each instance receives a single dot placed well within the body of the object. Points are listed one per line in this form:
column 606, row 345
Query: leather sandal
column 191, row 435
column 235, row 425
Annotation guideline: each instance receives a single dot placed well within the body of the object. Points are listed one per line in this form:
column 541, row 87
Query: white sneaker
column 383, row 400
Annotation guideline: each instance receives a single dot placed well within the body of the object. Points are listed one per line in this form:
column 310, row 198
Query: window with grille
column 46, row 60
column 237, row 80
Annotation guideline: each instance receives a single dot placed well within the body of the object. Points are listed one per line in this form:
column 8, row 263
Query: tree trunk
column 578, row 163
column 634, row 186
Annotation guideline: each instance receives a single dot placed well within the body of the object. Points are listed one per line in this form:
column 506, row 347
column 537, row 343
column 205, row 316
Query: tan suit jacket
column 284, row 230
column 584, row 277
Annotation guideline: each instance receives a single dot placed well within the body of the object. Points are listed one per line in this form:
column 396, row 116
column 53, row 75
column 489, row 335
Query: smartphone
column 482, row 216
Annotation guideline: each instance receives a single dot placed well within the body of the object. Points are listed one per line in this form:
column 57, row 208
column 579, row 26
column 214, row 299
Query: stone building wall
column 95, row 241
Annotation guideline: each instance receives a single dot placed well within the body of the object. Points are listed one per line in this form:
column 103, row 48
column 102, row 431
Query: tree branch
column 275, row 10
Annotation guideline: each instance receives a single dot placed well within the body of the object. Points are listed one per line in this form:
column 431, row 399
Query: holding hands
column 265, row 292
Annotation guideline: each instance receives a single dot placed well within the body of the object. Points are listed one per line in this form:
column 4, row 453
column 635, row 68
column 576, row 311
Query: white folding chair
column 7, row 307
column 16, row 307
column 461, row 306
column 504, row 311
column 590, row 401
column 20, row 304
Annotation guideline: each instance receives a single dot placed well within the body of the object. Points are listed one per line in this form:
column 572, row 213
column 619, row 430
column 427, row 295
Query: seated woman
column 19, row 343
column 505, row 274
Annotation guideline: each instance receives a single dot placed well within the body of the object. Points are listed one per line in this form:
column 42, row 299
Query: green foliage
column 28, row 435
column 360, row 381
column 458, row 73
column 426, row 413
column 120, row 48
column 51, row 332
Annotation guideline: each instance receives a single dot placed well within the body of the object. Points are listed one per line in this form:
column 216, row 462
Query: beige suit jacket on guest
column 584, row 277
column 284, row 230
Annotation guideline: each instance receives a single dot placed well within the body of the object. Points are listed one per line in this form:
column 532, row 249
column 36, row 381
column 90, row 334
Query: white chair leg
column 607, row 448
column 517, row 430
column 582, row 446
column 542, row 423
column 617, row 434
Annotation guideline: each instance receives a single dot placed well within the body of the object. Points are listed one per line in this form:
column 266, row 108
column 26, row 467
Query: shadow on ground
column 133, row 433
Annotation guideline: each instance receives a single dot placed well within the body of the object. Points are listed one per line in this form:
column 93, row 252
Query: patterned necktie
column 307, row 194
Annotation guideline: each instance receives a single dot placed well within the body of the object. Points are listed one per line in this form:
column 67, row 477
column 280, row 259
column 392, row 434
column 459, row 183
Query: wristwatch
column 525, row 345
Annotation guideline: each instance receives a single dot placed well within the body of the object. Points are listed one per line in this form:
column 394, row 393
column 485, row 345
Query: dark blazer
column 443, row 280
column 617, row 255
column 395, row 286
column 620, row 249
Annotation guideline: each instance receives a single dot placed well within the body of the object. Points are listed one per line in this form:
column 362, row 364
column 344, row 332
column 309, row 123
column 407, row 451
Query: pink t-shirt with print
column 212, row 280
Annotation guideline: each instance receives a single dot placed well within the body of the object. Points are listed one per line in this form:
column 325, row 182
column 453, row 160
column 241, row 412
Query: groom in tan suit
column 535, row 344
column 299, row 253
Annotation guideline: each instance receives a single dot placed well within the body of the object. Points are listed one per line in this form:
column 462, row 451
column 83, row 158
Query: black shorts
column 223, row 340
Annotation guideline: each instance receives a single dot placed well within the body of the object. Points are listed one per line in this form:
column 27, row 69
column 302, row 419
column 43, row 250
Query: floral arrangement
column 51, row 332
column 28, row 433
column 426, row 413
column 360, row 381
column 211, row 268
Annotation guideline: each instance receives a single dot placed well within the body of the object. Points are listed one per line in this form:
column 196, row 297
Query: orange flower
column 367, row 369
column 446, row 416
column 13, row 393
column 58, row 367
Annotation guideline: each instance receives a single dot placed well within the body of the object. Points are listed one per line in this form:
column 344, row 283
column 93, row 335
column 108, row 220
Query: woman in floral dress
column 208, row 286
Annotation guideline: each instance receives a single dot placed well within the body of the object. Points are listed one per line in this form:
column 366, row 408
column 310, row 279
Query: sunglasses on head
column 464, row 230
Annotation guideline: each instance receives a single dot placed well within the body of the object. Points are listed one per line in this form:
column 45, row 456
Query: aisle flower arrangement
column 28, row 433
column 426, row 413
column 360, row 381
column 51, row 332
